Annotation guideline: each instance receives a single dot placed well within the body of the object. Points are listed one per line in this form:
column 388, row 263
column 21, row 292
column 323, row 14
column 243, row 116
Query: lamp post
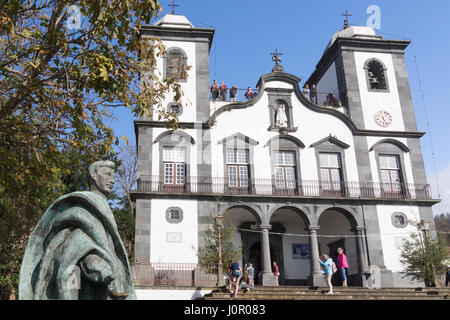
column 424, row 226
column 219, row 224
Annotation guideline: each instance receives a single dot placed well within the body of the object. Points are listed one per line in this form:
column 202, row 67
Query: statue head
column 101, row 177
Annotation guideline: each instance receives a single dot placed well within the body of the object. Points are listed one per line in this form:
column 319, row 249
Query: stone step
column 254, row 294
column 324, row 297
column 355, row 293
column 349, row 289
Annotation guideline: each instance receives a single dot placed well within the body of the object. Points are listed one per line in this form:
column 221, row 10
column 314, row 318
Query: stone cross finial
column 346, row 15
column 173, row 5
column 276, row 57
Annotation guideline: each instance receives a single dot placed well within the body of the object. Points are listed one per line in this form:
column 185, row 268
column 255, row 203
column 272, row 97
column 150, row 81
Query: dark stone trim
column 168, row 33
column 388, row 149
column 174, row 133
column 328, row 147
column 280, row 199
column 366, row 69
column 332, row 140
column 293, row 139
column 239, row 136
column 162, row 124
column 354, row 44
column 167, row 142
column 185, row 62
column 397, row 143
column 239, row 143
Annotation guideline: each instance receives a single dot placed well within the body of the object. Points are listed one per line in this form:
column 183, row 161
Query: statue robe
column 75, row 252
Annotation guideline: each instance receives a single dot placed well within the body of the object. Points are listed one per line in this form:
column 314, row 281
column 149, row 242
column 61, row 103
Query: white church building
column 295, row 175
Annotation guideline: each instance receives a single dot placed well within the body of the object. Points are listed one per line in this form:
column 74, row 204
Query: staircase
column 340, row 293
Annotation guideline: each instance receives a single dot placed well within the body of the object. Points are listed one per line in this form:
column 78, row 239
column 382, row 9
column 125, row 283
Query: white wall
column 189, row 87
column 169, row 252
column 392, row 237
column 254, row 121
column 371, row 101
column 171, row 294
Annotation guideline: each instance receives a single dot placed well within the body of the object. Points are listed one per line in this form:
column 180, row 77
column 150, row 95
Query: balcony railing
column 300, row 188
column 174, row 274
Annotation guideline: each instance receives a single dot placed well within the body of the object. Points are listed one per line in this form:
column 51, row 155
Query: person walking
column 276, row 272
column 234, row 275
column 342, row 265
column 327, row 264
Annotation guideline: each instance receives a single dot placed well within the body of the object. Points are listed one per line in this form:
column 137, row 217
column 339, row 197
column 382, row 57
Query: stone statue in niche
column 75, row 252
column 280, row 115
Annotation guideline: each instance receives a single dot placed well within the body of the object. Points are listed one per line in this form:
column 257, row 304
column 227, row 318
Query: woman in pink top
column 342, row 265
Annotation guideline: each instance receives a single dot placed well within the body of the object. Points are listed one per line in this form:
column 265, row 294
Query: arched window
column 175, row 64
column 376, row 75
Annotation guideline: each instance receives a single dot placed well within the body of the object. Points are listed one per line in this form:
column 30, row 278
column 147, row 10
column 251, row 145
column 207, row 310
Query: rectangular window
column 284, row 169
column 390, row 173
column 237, row 164
column 174, row 165
column 330, row 171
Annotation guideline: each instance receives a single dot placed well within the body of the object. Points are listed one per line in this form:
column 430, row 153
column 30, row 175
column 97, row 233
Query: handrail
column 300, row 188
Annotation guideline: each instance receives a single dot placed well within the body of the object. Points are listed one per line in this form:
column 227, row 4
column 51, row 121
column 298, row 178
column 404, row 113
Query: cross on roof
column 173, row 5
column 346, row 14
column 276, row 56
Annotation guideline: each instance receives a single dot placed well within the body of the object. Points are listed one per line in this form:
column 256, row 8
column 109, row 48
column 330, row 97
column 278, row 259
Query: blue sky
column 247, row 31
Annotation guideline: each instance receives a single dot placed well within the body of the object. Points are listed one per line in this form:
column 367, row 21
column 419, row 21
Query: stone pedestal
column 316, row 280
column 267, row 279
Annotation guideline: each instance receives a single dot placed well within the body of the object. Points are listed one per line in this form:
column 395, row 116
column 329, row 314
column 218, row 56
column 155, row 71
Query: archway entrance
column 292, row 255
column 337, row 231
column 254, row 257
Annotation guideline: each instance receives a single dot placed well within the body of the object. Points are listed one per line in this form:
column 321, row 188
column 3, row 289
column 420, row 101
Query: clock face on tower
column 383, row 118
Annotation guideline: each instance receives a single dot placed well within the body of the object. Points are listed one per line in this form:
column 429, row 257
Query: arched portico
column 292, row 256
column 340, row 227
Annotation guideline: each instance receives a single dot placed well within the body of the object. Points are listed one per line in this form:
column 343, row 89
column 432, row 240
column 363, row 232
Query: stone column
column 267, row 278
column 360, row 279
column 362, row 265
column 315, row 278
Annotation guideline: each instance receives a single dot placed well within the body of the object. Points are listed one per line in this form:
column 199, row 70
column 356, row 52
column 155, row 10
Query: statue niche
column 280, row 117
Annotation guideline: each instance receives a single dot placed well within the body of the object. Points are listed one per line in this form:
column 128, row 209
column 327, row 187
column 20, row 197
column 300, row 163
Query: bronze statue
column 75, row 251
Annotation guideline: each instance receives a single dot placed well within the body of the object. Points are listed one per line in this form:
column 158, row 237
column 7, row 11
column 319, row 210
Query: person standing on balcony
column 233, row 92
column 249, row 93
column 223, row 91
column 306, row 91
column 313, row 94
column 342, row 266
column 215, row 90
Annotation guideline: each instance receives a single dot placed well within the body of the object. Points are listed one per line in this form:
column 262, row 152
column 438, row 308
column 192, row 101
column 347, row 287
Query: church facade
column 295, row 175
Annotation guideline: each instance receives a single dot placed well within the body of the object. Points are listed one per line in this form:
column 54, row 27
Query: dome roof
column 174, row 21
column 361, row 32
